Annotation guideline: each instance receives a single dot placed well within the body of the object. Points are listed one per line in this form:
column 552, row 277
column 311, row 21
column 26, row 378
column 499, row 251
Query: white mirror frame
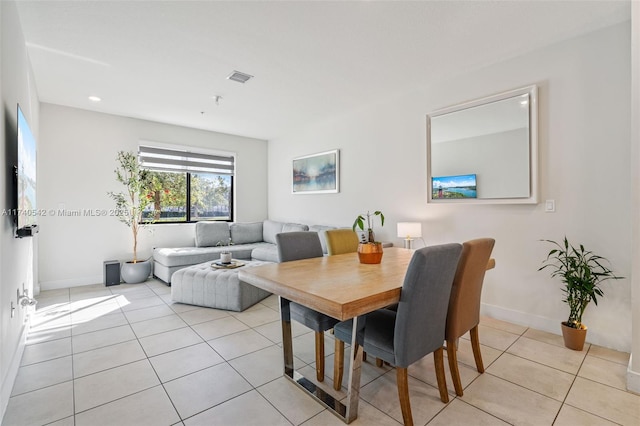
column 532, row 91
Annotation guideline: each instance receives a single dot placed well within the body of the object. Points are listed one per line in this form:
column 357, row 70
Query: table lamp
column 409, row 231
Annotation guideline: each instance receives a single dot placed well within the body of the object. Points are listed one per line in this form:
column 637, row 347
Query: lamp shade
column 409, row 230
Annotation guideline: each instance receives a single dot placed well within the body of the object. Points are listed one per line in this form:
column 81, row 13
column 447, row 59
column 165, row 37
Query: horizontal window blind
column 174, row 160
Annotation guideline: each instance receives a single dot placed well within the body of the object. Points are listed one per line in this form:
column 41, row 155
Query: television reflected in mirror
column 454, row 187
column 495, row 138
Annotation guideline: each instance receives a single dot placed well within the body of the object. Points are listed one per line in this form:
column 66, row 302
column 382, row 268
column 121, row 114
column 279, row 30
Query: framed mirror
column 485, row 151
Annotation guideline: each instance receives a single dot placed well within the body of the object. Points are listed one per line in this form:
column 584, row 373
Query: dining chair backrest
column 298, row 245
column 422, row 310
column 464, row 304
column 340, row 241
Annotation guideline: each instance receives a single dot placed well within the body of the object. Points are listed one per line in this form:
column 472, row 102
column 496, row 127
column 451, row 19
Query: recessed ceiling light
column 240, row 77
column 94, row 99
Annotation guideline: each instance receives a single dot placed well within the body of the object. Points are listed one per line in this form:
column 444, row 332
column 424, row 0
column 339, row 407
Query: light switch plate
column 550, row 206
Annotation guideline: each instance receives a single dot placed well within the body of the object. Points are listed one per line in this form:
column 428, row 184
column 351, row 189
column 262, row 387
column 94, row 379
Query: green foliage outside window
column 210, row 196
column 168, row 193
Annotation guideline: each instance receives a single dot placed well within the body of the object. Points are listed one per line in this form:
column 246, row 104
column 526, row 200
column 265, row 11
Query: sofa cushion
column 246, row 233
column 210, row 234
column 321, row 229
column 243, row 251
column 269, row 230
column 294, row 227
column 266, row 252
column 183, row 256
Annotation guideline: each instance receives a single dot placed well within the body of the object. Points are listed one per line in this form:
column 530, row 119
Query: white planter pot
column 133, row 273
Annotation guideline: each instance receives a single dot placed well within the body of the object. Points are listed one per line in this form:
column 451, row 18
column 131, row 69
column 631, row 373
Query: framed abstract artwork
column 316, row 173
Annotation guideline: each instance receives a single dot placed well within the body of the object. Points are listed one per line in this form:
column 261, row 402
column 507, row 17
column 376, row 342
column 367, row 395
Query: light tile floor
column 127, row 355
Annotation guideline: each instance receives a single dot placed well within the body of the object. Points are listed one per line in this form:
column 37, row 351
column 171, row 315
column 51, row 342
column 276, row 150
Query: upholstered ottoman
column 203, row 285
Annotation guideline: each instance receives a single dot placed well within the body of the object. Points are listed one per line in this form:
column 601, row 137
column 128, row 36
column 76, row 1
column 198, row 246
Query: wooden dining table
column 341, row 287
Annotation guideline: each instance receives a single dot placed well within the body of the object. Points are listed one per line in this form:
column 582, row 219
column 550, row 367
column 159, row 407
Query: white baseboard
column 75, row 282
column 12, row 373
column 549, row 325
column 633, row 378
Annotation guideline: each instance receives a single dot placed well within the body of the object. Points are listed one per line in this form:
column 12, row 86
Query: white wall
column 75, row 168
column 584, row 134
column 633, row 372
column 17, row 265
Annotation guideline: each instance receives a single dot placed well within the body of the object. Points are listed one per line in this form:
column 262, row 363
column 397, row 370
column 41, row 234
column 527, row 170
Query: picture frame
column 316, row 173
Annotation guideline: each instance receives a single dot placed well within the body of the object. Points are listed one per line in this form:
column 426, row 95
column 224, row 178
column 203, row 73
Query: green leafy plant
column 368, row 217
column 131, row 203
column 581, row 271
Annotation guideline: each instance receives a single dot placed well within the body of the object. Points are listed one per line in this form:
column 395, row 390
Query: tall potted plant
column 369, row 251
column 582, row 272
column 129, row 209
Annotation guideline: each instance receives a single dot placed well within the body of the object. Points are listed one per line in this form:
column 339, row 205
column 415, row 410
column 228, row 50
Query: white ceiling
column 165, row 60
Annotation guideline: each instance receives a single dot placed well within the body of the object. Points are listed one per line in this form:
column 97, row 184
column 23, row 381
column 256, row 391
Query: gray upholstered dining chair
column 306, row 245
column 464, row 304
column 417, row 328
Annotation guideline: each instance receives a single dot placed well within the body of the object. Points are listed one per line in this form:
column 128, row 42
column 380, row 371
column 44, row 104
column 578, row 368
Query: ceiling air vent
column 240, row 77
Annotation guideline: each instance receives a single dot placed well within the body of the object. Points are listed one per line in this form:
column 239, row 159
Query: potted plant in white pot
column 369, row 251
column 582, row 272
column 225, row 254
column 130, row 205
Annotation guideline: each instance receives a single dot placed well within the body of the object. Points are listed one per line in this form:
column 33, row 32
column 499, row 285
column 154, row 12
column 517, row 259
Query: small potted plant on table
column 581, row 271
column 225, row 254
column 369, row 251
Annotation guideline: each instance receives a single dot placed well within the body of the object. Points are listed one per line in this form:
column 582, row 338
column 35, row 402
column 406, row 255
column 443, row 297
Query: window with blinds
column 187, row 186
column 171, row 160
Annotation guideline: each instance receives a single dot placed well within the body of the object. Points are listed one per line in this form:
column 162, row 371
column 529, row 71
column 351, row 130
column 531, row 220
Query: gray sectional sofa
column 250, row 240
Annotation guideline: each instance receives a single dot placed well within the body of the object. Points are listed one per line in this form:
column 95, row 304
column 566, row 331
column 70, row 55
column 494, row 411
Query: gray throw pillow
column 269, row 230
column 246, row 233
column 294, row 227
column 209, row 234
